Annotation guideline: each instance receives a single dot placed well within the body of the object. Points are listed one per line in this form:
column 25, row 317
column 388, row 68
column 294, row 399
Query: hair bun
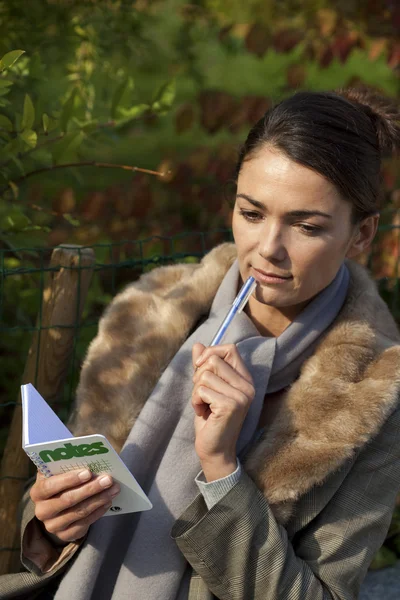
column 383, row 112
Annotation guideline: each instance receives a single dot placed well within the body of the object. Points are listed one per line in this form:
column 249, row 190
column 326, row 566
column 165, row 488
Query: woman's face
column 291, row 227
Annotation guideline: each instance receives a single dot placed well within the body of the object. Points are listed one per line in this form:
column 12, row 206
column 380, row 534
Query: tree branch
column 89, row 163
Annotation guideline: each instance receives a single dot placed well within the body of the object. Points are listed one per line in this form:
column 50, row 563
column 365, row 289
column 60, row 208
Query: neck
column 269, row 320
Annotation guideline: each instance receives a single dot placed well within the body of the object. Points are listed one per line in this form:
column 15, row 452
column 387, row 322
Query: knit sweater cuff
column 214, row 491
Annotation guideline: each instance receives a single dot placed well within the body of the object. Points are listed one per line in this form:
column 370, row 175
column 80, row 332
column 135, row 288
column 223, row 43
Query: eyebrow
column 293, row 213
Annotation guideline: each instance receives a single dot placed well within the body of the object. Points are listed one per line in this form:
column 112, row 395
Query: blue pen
column 237, row 307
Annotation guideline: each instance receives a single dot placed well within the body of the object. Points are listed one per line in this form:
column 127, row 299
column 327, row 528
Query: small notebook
column 53, row 449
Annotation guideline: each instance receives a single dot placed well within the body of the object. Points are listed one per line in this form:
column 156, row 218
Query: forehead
column 272, row 178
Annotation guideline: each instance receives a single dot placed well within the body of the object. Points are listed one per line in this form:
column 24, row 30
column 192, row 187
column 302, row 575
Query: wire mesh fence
column 26, row 274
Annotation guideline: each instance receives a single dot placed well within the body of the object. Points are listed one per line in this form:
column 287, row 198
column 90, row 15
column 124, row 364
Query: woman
column 296, row 418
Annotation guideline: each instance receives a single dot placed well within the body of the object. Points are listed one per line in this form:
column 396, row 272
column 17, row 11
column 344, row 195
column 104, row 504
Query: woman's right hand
column 67, row 504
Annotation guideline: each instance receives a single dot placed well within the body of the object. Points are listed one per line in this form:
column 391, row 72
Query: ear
column 362, row 236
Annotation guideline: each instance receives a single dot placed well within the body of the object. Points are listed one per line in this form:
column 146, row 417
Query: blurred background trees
column 167, row 85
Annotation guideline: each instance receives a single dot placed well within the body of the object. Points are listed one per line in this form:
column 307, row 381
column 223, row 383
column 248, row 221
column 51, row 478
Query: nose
column 271, row 243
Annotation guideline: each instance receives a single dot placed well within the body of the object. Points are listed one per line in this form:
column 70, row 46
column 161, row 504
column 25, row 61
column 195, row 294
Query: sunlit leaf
column 165, row 96
column 29, row 137
column 128, row 115
column 28, row 115
column 120, row 92
column 45, row 121
column 9, row 59
column 14, row 189
column 71, row 220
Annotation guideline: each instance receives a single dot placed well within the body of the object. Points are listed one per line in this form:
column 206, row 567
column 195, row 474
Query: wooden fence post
column 64, row 295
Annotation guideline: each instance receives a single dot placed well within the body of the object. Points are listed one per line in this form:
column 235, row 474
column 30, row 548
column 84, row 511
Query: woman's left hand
column 222, row 394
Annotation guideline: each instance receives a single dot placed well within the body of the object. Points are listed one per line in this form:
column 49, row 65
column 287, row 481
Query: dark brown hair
column 342, row 135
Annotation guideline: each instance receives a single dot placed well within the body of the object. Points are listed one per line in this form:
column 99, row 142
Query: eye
column 250, row 215
column 308, row 229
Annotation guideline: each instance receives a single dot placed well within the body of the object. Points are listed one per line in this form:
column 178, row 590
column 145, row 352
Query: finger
column 67, row 499
column 243, row 394
column 80, row 513
column 197, row 351
column 230, row 354
column 46, row 487
column 224, row 371
column 218, row 404
column 79, row 529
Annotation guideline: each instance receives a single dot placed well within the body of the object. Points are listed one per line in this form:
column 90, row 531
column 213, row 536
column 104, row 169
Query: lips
column 270, row 276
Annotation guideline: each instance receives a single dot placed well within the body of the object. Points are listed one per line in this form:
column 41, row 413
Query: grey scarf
column 133, row 556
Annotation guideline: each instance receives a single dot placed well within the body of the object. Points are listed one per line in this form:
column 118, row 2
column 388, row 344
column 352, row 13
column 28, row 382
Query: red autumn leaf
column 285, row 40
column 258, row 106
column 343, row 44
column 394, row 56
column 257, row 40
column 326, row 56
column 94, row 206
column 216, row 109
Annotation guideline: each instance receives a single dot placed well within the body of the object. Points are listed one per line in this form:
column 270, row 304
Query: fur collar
column 344, row 393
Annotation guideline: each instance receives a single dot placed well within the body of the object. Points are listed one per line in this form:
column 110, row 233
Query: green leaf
column 4, row 91
column 14, row 189
column 4, row 83
column 165, row 96
column 52, row 124
column 128, row 115
column 71, row 220
column 45, row 120
column 67, row 110
column 9, row 59
column 120, row 92
column 30, row 137
column 64, row 149
column 5, row 123
column 28, row 116
column 87, row 126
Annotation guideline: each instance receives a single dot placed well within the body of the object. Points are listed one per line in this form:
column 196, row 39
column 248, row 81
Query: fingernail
column 114, row 490
column 105, row 481
column 84, row 475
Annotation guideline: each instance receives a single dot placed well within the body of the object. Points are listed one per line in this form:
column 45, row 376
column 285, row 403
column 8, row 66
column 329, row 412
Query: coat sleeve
column 242, row 553
column 43, row 559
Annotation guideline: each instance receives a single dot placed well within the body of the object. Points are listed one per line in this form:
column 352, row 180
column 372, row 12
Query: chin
column 274, row 298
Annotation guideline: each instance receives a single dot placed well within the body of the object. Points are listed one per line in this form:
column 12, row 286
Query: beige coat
column 317, row 499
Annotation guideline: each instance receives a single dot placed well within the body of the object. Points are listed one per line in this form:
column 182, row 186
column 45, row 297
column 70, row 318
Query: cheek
column 317, row 264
